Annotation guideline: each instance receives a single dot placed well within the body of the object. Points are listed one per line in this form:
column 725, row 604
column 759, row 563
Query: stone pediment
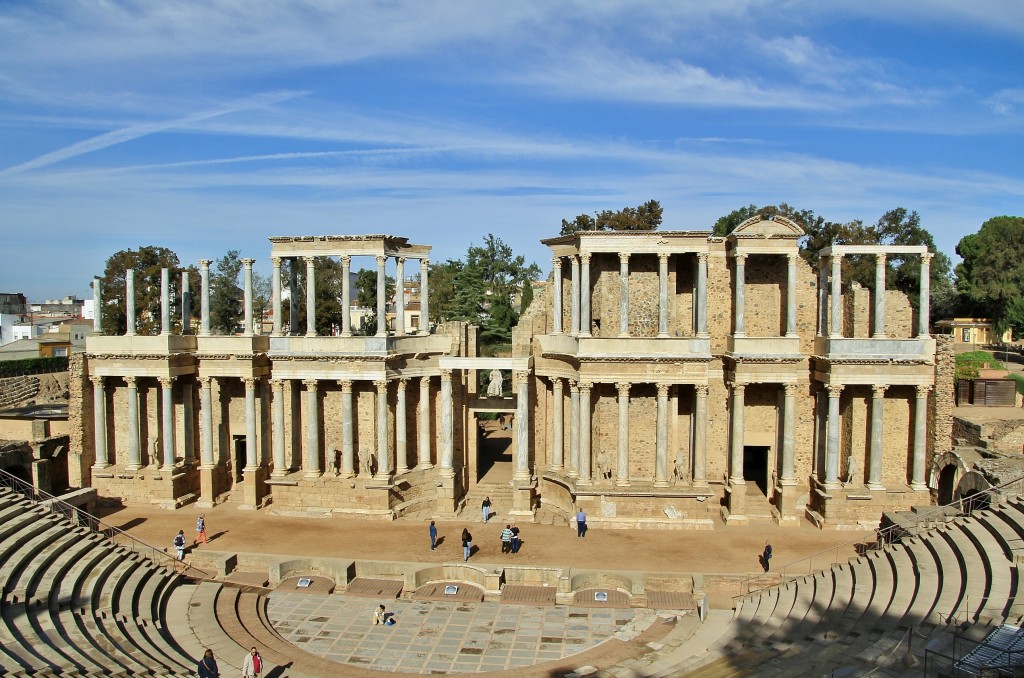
column 759, row 227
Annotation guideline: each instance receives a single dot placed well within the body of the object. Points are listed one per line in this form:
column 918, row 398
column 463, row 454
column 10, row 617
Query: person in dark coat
column 766, row 555
column 208, row 666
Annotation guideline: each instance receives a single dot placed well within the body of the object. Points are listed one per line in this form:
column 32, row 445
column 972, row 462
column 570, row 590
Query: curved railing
column 116, row 535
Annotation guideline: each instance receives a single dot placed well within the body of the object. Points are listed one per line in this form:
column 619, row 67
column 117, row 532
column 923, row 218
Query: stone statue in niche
column 365, row 463
column 604, row 465
column 851, row 469
column 494, row 384
column 154, row 450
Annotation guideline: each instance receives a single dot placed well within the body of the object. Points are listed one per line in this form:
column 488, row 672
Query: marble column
column 99, row 409
column 739, row 320
column 348, row 426
column 822, row 297
column 788, row 434
column 167, row 419
column 312, row 469
column 879, row 328
column 661, row 439
column 585, row 316
column 622, row 465
column 574, row 317
column 293, row 296
column 248, row 322
column 186, row 304
column 623, row 294
column 346, row 296
column 738, row 435
column 383, row 459
column 877, row 431
column 280, row 465
column 791, row 287
column 129, row 302
column 917, row 482
column 423, row 447
column 557, row 424
column 134, row 449
column 310, row 297
column 206, row 423
column 702, row 294
column 401, row 444
column 522, row 466
column 574, row 429
column 165, row 301
column 204, row 297
column 585, row 462
column 832, row 436
column 700, row 435
column 187, row 422
column 400, row 297
column 252, row 460
column 275, row 292
column 382, row 296
column 447, row 426
column 924, row 305
column 556, row 295
column 663, row 295
column 97, row 305
column 836, row 288
column 424, row 296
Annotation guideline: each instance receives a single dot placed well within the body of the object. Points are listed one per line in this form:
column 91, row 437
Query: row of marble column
column 579, row 464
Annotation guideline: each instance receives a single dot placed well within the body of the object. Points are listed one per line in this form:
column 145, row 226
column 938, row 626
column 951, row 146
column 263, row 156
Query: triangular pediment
column 759, row 227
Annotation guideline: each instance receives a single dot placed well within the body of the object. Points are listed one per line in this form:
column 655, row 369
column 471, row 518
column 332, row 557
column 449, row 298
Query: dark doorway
column 20, row 472
column 974, row 501
column 755, row 466
column 947, row 483
column 238, row 457
column 494, row 444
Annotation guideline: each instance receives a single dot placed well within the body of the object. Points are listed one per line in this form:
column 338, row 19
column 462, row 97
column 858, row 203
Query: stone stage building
column 662, row 379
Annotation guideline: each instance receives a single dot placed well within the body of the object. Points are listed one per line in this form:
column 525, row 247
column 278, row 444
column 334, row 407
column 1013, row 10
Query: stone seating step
column 928, row 582
column 98, row 622
column 951, row 583
column 1011, row 543
column 205, row 629
column 18, row 560
column 975, row 572
column 904, row 582
column 149, row 603
column 997, row 594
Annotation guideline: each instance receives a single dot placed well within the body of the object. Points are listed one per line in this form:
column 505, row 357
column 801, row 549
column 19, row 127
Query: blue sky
column 209, row 126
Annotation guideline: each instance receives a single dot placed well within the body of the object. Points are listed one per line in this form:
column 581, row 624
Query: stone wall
column 81, row 427
column 943, row 398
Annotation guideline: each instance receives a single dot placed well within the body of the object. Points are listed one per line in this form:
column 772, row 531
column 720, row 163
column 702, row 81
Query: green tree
column 991, row 275
column 366, row 296
column 644, row 217
column 443, row 279
column 262, row 292
column 147, row 263
column 526, row 297
column 226, row 295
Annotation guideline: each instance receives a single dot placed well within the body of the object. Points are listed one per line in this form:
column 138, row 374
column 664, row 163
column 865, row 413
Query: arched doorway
column 973, row 500
column 947, row 484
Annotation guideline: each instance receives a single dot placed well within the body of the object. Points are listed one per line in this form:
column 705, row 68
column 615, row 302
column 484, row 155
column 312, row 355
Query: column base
column 876, row 487
column 622, row 482
column 918, row 487
column 662, row 483
column 555, row 469
column 699, row 482
column 312, row 475
column 425, row 466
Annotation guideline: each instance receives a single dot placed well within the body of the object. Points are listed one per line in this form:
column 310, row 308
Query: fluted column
column 585, row 462
column 557, row 424
column 738, row 435
column 700, row 435
column 312, row 469
column 346, row 296
column 836, row 329
column 424, row 296
column 383, row 459
column 739, row 321
column 522, row 472
column 134, row 450
column 822, row 297
column 920, row 438
column 447, row 426
column 99, row 408
column 556, row 296
column 204, row 297
column 788, row 434
column 623, row 294
column 310, row 297
column 280, row 465
column 574, row 429
column 879, row 328
column 925, row 295
column 401, row 445
column 382, row 296
column 348, row 425
column 702, row 294
column 247, row 319
column 129, row 302
column 187, row 422
column 877, row 428
column 585, row 316
column 275, row 292
column 791, row 294
column 252, row 460
column 574, row 316
column 400, row 297
column 165, row 301
column 206, row 422
column 97, row 306
column 663, row 295
column 661, row 439
column 423, row 448
column 167, row 419
column 293, row 296
column 832, row 436
column 622, row 465
column 186, row 304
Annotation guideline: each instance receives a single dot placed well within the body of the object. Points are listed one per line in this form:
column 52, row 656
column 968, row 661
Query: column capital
column 623, row 388
column 96, row 380
column 381, row 384
column 663, row 390
column 310, row 383
column 205, row 382
column 381, row 259
column 556, row 381
column 275, row 262
column 737, row 388
column 400, row 260
column 556, row 262
column 836, row 257
column 878, row 390
column 132, row 382
column 740, row 257
column 702, row 257
column 277, row 384
column 446, row 375
column 926, row 258
column 792, row 258
column 424, row 264
column 250, row 382
column 345, row 260
column 835, row 390
column 346, row 385
column 166, row 382
column 310, row 260
column 574, row 385
column 585, row 386
column 701, row 390
column 522, row 375
column 624, row 258
column 403, row 382
column 663, row 257
column 791, row 389
column 247, row 262
column 205, row 263
column 585, row 258
column 923, row 390
column 880, row 259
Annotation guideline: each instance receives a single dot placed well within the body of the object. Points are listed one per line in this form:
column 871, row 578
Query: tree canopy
column 225, row 294
column 366, row 296
column 645, row 217
column 147, row 262
column 991, row 276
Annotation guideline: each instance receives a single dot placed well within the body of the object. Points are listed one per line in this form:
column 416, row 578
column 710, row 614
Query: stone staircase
column 501, row 502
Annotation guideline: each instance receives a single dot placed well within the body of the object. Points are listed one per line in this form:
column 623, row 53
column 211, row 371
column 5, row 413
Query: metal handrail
column 116, row 535
column 883, row 536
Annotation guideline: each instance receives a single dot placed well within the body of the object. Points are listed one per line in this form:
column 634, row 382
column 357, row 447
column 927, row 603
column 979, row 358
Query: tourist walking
column 252, row 665
column 467, row 544
column 486, row 508
column 516, row 543
column 207, row 665
column 506, row 539
column 766, row 555
column 581, row 524
column 433, row 535
column 179, row 544
column 200, row 529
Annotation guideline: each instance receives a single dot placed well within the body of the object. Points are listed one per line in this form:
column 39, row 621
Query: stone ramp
column 518, row 594
column 375, row 588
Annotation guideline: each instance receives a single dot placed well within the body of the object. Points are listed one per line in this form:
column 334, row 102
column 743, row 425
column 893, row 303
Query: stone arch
column 971, row 483
column 947, row 471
